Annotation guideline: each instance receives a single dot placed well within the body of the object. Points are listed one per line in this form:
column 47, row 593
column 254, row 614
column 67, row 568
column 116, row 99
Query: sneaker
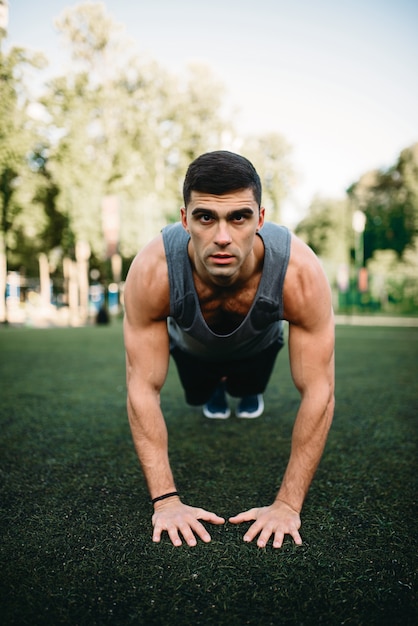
column 250, row 406
column 217, row 406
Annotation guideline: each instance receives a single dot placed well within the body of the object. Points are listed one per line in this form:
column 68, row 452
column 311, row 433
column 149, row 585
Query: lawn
column 76, row 519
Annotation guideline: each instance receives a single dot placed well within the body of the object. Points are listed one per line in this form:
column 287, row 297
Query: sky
column 338, row 80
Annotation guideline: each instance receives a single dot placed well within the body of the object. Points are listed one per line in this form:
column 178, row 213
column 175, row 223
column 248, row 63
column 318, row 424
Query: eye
column 205, row 218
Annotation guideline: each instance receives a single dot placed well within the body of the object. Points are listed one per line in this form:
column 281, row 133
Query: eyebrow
column 244, row 211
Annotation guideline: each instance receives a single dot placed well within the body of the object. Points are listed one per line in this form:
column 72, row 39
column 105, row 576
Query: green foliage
column 128, row 125
column 75, row 515
column 389, row 198
column 389, row 201
column 393, row 281
column 114, row 124
column 86, row 30
column 20, row 222
column 326, row 229
column 270, row 156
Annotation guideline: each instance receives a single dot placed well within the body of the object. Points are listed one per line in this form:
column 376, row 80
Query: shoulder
column 270, row 229
column 277, row 240
column 146, row 290
column 306, row 292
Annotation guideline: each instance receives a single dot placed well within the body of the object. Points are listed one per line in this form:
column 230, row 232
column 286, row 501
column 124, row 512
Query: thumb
column 245, row 516
column 208, row 516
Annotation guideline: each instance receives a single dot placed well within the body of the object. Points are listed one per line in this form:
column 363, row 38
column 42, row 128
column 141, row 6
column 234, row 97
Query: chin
column 223, row 274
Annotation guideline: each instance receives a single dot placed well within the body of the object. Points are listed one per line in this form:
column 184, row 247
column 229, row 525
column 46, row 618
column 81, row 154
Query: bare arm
column 312, row 367
column 311, row 350
column 147, row 359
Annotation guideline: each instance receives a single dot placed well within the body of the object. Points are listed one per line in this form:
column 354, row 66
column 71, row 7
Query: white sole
column 216, row 416
column 244, row 415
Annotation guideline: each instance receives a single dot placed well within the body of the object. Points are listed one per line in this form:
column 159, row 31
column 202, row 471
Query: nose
column 222, row 236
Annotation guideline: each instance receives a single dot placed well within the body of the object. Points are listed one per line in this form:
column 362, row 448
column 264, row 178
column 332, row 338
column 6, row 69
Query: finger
column 245, row 516
column 296, row 538
column 174, row 536
column 252, row 532
column 278, row 539
column 156, row 535
column 200, row 531
column 207, row 516
column 264, row 537
column 188, row 535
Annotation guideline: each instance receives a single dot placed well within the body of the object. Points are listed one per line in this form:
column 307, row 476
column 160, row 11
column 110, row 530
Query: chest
column 223, row 311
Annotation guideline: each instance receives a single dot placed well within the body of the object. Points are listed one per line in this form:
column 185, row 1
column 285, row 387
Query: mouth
column 222, row 259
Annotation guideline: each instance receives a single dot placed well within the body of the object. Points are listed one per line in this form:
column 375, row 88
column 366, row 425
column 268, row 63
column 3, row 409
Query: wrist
column 165, row 496
column 293, row 508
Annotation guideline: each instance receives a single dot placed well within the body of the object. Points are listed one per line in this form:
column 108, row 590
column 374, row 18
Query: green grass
column 76, row 520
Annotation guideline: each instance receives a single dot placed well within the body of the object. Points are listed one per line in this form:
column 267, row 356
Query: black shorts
column 244, row 377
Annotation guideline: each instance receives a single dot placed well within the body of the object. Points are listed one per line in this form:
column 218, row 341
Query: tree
column 270, row 156
column 15, row 144
column 128, row 124
column 389, row 199
column 327, row 230
column 118, row 129
column 197, row 114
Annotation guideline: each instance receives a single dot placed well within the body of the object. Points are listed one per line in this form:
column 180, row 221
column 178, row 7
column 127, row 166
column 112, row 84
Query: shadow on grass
column 76, row 517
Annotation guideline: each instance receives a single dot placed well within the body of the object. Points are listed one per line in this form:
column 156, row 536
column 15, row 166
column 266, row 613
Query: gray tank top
column 261, row 327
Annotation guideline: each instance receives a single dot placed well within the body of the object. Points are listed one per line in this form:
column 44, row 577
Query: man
column 213, row 290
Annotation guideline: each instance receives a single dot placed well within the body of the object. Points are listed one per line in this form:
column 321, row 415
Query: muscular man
column 213, row 291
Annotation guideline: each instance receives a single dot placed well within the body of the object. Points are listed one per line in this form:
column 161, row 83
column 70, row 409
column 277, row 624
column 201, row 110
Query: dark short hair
column 220, row 172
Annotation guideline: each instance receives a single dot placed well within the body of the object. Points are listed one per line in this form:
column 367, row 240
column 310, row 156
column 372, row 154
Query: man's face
column 222, row 230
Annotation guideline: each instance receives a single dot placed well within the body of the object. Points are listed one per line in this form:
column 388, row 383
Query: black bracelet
column 166, row 495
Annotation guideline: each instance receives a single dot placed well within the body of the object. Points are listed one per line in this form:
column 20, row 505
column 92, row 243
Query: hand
column 278, row 519
column 175, row 517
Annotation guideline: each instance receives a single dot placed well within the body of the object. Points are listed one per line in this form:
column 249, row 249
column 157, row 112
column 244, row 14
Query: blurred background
column 104, row 104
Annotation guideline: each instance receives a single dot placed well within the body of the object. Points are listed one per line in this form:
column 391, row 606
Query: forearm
column 309, row 436
column 149, row 433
